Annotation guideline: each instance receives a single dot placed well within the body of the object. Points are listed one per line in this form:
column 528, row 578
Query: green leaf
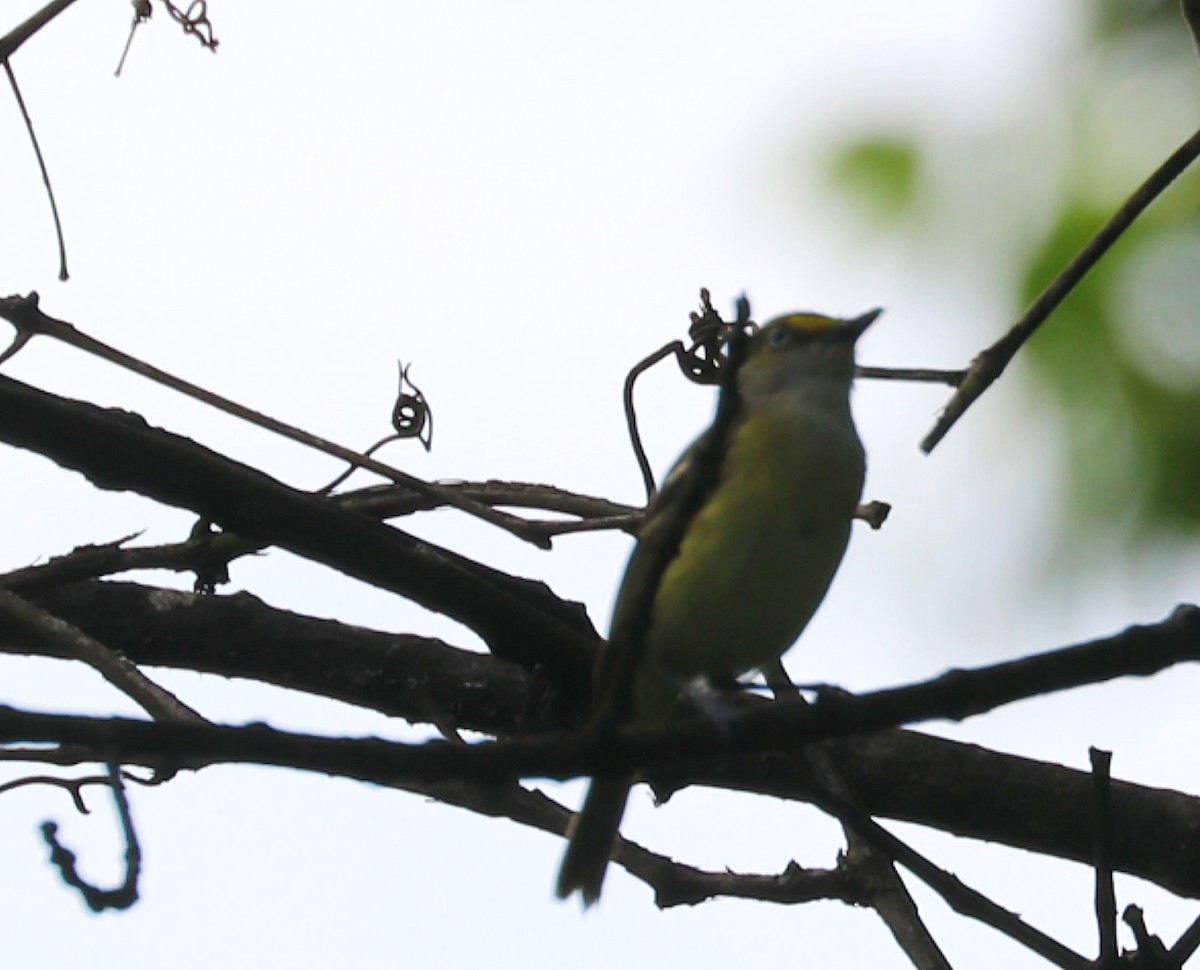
column 880, row 174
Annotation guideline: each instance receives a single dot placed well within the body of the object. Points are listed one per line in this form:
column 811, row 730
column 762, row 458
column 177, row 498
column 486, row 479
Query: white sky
column 524, row 198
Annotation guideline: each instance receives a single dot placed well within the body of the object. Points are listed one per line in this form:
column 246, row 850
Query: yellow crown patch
column 805, row 322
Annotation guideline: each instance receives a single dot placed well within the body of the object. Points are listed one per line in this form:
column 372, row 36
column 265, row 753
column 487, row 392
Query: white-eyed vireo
column 753, row 558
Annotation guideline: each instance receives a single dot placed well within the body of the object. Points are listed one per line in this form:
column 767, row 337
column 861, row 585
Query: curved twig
column 37, row 150
column 98, row 899
column 24, row 314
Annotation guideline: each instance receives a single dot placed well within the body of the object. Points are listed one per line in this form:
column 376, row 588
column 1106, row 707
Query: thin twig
column 388, row 501
column 1106, row 899
column 873, row 865
column 703, row 362
column 1186, row 945
column 113, row 667
column 211, row 553
column 194, row 21
column 626, row 522
column 875, row 848
column 98, row 899
column 387, row 439
column 64, row 756
column 142, row 11
column 411, row 417
column 635, row 437
column 73, row 786
column 991, row 363
column 519, row 619
column 37, row 150
column 961, row 897
column 923, row 375
column 24, row 314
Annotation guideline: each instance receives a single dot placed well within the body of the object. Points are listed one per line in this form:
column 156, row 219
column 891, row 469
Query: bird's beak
column 853, row 329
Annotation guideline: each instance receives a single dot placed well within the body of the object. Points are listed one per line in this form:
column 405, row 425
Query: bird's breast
column 759, row 555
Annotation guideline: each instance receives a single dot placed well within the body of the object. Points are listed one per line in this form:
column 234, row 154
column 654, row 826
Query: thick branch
column 112, row 665
column 12, row 41
column 1043, row 808
column 420, row 679
column 976, row 793
column 520, row 620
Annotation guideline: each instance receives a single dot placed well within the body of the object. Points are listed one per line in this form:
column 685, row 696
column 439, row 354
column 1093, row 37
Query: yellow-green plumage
column 757, row 556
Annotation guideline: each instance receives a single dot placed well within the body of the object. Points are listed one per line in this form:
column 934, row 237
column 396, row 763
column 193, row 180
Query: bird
column 743, row 553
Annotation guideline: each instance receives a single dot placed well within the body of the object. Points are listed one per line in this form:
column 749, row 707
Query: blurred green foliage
column 1132, row 433
column 1119, row 362
column 879, row 173
column 1114, row 18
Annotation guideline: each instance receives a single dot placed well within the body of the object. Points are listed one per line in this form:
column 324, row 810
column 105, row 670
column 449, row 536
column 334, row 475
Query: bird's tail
column 590, row 839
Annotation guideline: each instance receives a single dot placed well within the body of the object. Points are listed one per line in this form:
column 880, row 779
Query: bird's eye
column 779, row 337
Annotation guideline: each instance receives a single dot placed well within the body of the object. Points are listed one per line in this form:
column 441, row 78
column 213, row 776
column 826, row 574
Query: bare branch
column 871, row 867
column 113, row 667
column 37, row 151
column 921, row 375
column 24, row 314
column 1106, row 900
column 11, row 42
column 98, row 900
column 423, row 680
column 208, row 554
column 592, row 514
column 1186, row 945
column 991, row 363
column 72, row 786
column 962, row 898
column 520, row 620
column 764, row 727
